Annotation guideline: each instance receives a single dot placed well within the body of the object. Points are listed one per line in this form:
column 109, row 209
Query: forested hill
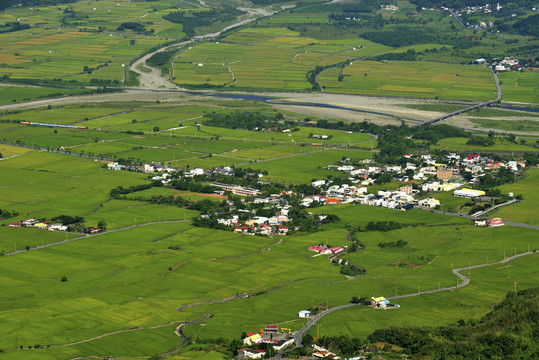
column 509, row 331
column 7, row 3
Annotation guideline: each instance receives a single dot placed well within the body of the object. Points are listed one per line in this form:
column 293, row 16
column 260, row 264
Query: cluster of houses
column 401, row 199
column 42, row 225
column 269, row 335
column 322, row 353
column 275, row 225
column 421, row 173
column 389, row 7
column 382, row 303
column 485, row 9
column 325, row 250
column 494, row 222
column 35, row 223
column 435, row 175
column 508, row 63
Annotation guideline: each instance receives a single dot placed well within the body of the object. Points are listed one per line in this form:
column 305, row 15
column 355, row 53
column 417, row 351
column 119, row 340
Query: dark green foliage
column 267, row 2
column 510, row 331
column 383, row 178
column 477, row 208
column 481, row 141
column 7, row 3
column 502, row 176
column 408, row 55
column 13, row 26
column 341, row 343
column 120, row 190
column 68, row 220
column 242, row 120
column 400, row 36
column 392, row 244
column 358, row 300
column 433, row 133
column 381, row 226
column 136, row 27
column 192, row 19
column 528, row 26
column 161, row 58
column 193, row 186
column 352, row 270
column 6, row 214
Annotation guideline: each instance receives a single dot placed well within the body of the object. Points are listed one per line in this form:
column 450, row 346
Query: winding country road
column 458, row 272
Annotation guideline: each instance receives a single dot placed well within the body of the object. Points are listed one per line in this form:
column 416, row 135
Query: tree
column 155, row 129
column 308, row 340
column 64, row 278
column 102, row 224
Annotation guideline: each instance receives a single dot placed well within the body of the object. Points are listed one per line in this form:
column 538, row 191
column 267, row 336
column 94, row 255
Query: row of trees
column 6, row 214
column 243, row 120
column 380, row 226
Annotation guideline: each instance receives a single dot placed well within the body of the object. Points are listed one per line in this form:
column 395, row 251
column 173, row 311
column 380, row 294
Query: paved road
column 529, row 226
column 481, row 213
column 457, row 18
column 464, row 282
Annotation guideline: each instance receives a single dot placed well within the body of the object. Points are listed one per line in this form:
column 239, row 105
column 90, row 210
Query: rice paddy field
column 123, row 292
column 165, row 135
column 66, row 38
column 12, row 94
column 525, row 211
column 416, row 79
column 240, row 60
column 520, row 86
column 49, row 54
column 124, row 286
column 140, row 282
column 500, row 145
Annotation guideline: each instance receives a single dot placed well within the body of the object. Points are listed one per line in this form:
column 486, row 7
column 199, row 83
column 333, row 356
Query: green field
column 138, row 277
column 500, row 145
column 11, row 94
column 520, row 86
column 131, row 260
column 240, row 59
column 122, row 292
column 525, row 211
column 416, row 79
column 39, row 184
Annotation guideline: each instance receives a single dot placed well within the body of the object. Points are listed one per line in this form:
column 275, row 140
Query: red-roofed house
column 336, row 249
column 319, row 250
column 253, row 354
column 272, row 329
column 283, row 229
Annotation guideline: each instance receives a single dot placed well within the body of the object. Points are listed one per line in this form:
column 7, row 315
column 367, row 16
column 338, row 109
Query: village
column 421, row 175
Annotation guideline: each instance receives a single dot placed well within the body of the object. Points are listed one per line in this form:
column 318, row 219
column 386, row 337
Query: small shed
column 304, row 314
